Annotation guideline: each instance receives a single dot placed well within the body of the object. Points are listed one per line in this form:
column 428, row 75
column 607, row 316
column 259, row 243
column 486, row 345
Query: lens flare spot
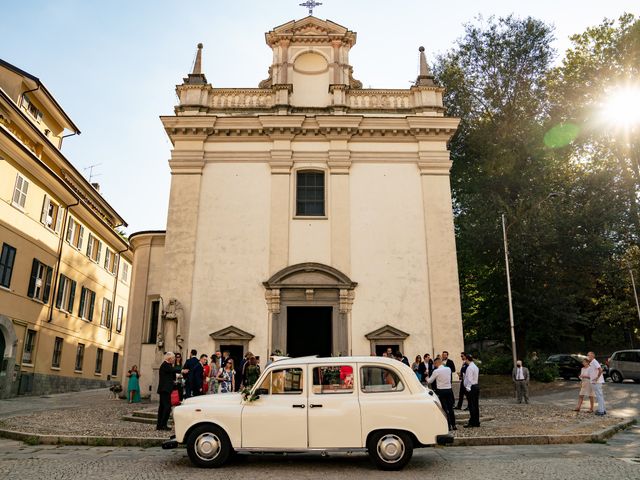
column 561, row 135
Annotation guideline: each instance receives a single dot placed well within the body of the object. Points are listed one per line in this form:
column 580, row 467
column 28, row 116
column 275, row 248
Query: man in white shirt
column 520, row 376
column 473, row 391
column 597, row 379
column 442, row 376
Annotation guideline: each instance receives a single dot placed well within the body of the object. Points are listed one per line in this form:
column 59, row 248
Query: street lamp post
column 506, row 263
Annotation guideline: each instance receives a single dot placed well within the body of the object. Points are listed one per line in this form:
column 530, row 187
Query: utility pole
column 506, row 263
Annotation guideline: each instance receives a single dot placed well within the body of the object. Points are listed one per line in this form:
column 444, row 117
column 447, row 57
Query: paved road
column 585, row 461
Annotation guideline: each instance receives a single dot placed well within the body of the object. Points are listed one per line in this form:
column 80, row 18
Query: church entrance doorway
column 309, row 331
column 236, row 352
column 380, row 349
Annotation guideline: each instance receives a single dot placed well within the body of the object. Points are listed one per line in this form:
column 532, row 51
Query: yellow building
column 64, row 268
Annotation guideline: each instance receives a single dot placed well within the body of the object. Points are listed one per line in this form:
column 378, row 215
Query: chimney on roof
column 96, row 186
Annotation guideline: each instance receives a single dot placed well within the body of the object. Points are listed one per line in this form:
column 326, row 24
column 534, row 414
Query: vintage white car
column 313, row 404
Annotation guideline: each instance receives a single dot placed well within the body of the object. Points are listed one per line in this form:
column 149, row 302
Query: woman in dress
column 206, row 377
column 418, row 367
column 227, row 377
column 215, row 368
column 133, row 387
column 585, row 387
column 251, row 372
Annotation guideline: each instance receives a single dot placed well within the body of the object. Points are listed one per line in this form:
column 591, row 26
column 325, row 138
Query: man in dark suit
column 186, row 372
column 166, row 381
column 463, row 391
column 197, row 376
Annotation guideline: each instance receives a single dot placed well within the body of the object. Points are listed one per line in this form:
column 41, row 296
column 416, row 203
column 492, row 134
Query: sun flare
column 622, row 107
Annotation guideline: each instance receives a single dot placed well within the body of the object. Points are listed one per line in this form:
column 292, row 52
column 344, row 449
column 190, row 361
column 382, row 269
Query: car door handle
column 302, row 405
column 315, row 405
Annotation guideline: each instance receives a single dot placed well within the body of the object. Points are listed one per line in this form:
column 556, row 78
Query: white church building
column 307, row 216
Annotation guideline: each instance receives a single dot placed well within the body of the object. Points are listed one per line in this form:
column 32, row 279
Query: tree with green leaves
column 518, row 152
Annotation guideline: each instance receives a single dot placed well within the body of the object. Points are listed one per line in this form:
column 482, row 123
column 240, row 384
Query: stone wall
column 43, row 384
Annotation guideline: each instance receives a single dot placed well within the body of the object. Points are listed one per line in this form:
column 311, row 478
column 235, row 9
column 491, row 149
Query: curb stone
column 93, row 441
column 598, row 436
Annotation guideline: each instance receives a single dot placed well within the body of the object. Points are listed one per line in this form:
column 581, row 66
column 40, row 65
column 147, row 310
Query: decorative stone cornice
column 325, row 127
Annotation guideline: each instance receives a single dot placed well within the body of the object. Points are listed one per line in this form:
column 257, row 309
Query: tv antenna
column 91, row 174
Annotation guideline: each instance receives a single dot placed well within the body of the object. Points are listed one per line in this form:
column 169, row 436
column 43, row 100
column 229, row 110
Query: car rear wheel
column 208, row 446
column 616, row 377
column 390, row 450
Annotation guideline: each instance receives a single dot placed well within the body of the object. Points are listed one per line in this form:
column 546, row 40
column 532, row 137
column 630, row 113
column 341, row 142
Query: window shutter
column 92, row 304
column 47, row 285
column 83, row 293
column 99, row 249
column 32, row 280
column 59, row 219
column 80, row 235
column 70, row 229
column 45, row 209
column 90, row 246
column 17, row 190
column 61, row 283
column 72, row 294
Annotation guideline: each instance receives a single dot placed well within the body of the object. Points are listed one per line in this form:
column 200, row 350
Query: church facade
column 307, row 216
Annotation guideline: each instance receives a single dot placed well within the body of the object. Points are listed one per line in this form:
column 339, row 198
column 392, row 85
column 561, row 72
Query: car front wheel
column 390, row 450
column 208, row 446
column 616, row 377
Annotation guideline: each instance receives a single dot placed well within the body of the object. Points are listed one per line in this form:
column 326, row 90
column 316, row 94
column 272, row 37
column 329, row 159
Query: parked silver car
column 624, row 365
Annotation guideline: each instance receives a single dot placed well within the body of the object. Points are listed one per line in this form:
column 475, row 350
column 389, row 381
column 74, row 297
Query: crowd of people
column 202, row 375
column 438, row 372
column 217, row 375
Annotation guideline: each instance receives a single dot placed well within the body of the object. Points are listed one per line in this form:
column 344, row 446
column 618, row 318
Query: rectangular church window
column 310, row 194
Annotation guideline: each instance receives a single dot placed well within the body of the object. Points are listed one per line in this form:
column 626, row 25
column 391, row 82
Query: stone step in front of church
column 148, row 416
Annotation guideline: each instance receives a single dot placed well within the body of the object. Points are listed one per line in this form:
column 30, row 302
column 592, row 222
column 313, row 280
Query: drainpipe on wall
column 63, row 229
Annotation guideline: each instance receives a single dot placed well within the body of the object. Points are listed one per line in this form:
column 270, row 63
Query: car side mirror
column 254, row 397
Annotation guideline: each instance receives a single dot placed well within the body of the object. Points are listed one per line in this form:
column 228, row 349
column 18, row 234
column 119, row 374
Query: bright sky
column 113, row 65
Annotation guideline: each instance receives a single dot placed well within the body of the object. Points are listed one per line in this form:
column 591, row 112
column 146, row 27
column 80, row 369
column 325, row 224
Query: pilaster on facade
column 186, row 162
column 281, row 162
column 434, row 163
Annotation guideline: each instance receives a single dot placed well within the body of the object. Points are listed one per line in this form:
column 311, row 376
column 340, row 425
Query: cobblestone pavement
column 585, row 461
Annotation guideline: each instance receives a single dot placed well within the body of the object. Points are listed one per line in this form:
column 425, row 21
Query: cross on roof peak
column 310, row 4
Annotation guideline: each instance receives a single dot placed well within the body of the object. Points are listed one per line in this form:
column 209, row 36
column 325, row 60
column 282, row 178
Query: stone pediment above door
column 387, row 333
column 231, row 333
column 310, row 275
